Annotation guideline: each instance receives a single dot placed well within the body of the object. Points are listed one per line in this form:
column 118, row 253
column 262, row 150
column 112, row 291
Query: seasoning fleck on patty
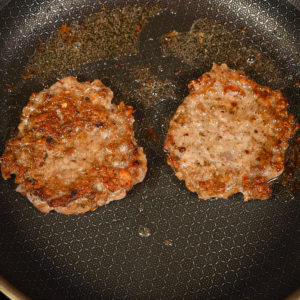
column 75, row 150
column 229, row 135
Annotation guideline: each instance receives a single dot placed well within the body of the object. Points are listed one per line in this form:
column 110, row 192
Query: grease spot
column 144, row 231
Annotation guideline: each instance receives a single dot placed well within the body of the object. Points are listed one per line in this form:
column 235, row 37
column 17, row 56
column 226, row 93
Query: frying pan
column 161, row 241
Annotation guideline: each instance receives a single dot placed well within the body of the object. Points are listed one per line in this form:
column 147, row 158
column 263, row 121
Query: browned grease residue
column 207, row 42
column 291, row 174
column 28, row 75
column 10, row 86
column 150, row 134
column 151, row 90
column 105, row 34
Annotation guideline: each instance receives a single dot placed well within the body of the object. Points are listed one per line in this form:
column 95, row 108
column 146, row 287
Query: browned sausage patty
column 229, row 135
column 75, row 150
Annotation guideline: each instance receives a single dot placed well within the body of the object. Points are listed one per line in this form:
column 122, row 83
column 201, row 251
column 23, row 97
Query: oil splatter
column 151, row 90
column 207, row 42
column 106, row 34
column 150, row 134
column 28, row 75
column 141, row 207
column 168, row 242
column 251, row 59
column 144, row 231
column 10, row 86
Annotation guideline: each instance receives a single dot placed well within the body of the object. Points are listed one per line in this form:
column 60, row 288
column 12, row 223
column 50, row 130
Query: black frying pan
column 161, row 241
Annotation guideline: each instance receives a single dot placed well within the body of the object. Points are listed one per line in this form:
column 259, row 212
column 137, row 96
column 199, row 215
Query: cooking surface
column 161, row 241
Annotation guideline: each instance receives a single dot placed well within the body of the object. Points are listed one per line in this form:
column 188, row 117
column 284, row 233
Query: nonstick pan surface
column 161, row 241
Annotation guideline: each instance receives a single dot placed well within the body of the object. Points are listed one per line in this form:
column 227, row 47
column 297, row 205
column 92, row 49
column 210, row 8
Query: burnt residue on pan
column 208, row 41
column 106, row 34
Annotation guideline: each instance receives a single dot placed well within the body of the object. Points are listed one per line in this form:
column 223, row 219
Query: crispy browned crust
column 251, row 128
column 75, row 150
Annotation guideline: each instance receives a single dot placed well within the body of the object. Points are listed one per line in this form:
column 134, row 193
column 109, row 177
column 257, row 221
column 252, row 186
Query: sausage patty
column 229, row 135
column 75, row 150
